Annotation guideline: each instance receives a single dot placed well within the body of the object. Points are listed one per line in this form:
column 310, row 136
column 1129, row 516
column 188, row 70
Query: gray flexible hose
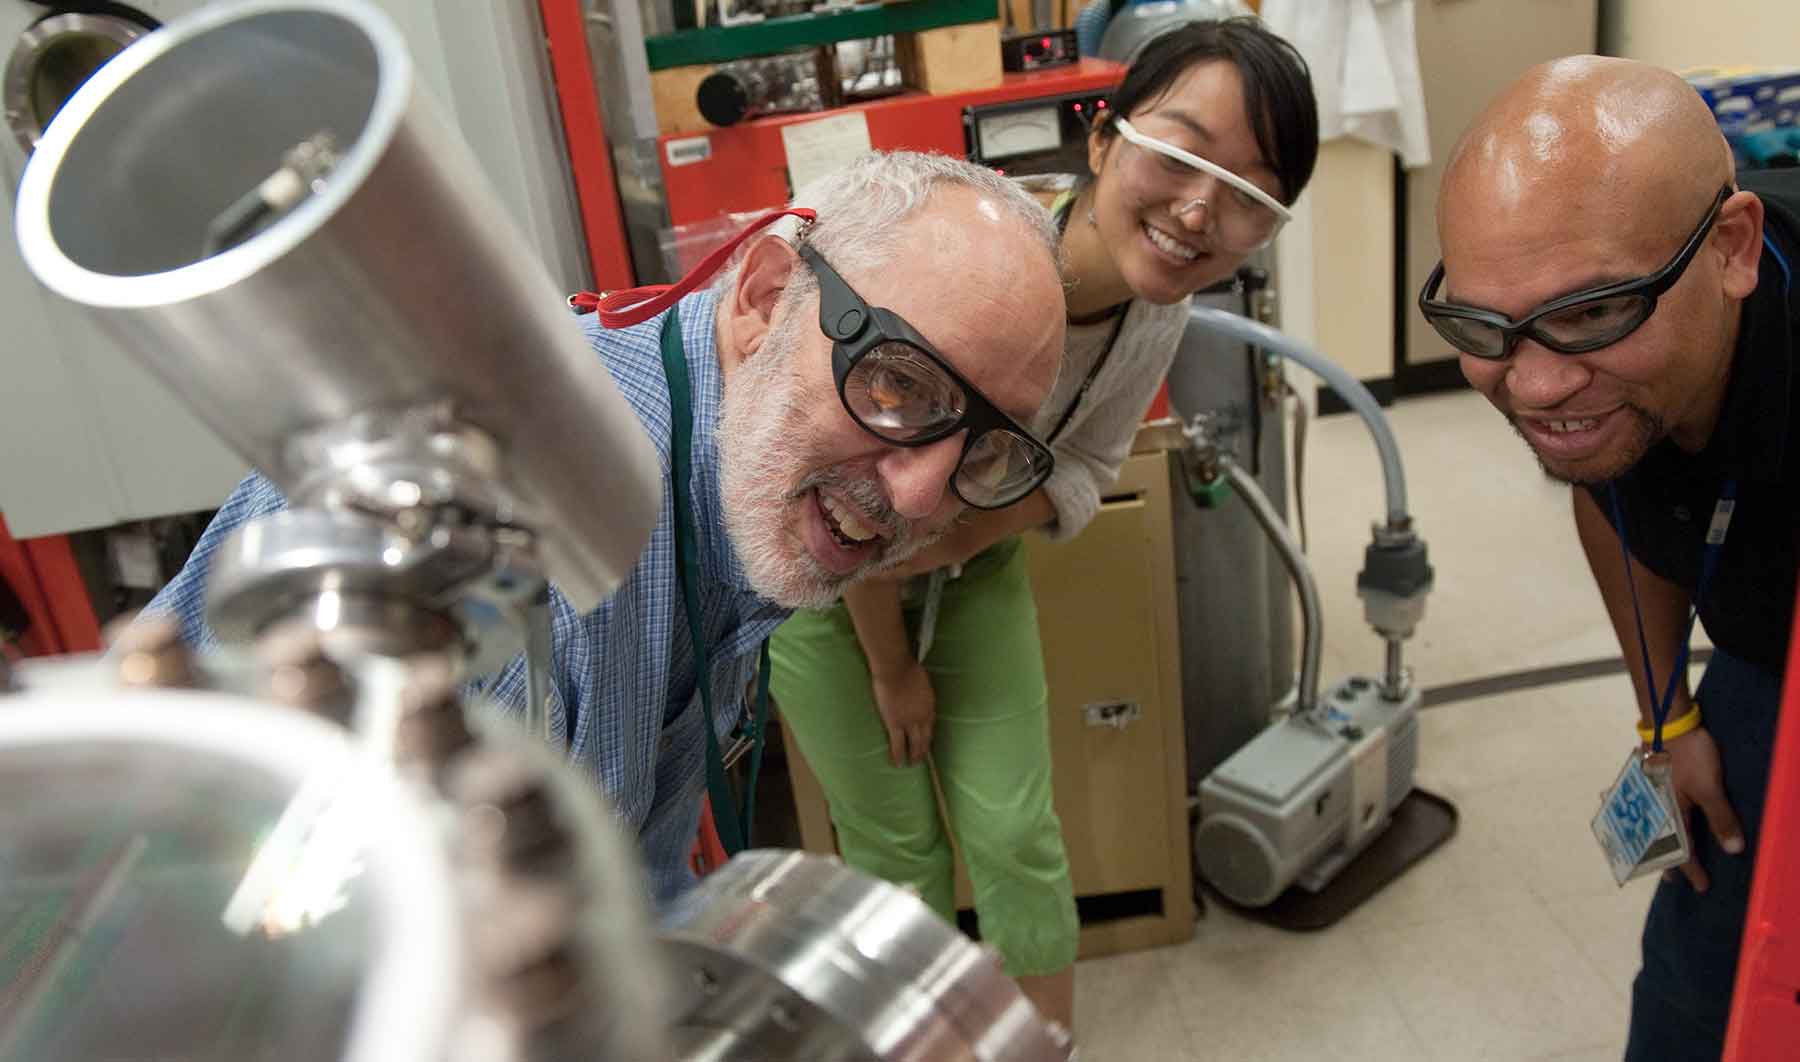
column 1348, row 387
column 1311, row 622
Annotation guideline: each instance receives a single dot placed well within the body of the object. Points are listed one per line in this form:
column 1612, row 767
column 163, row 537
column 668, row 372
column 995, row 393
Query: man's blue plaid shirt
column 624, row 673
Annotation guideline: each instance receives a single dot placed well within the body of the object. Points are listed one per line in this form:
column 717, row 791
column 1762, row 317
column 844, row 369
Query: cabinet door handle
column 1115, row 714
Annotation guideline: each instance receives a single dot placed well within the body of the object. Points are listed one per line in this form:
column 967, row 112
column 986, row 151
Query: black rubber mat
column 1422, row 822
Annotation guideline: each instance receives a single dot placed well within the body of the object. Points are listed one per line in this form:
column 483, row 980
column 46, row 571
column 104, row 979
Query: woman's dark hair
column 1278, row 92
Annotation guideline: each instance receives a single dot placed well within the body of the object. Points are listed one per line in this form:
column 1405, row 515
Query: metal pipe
column 1348, row 387
column 393, row 280
column 1311, row 622
column 1393, row 685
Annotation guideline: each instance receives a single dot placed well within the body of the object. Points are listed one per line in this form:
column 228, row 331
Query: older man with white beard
column 848, row 393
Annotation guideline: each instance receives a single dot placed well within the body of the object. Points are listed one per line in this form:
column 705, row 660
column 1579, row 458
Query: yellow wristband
column 1674, row 728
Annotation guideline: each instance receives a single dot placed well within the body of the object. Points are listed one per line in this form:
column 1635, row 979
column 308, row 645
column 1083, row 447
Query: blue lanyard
column 732, row 821
column 1709, row 562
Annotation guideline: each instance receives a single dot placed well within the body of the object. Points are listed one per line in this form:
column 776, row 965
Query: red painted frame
column 42, row 571
column 1765, row 1009
column 584, row 131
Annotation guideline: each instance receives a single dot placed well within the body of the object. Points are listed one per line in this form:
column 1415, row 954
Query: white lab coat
column 1365, row 65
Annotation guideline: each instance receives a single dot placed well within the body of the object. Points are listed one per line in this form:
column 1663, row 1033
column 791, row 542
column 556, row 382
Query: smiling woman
column 1210, row 137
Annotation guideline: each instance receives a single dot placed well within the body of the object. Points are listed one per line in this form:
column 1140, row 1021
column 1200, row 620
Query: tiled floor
column 1509, row 943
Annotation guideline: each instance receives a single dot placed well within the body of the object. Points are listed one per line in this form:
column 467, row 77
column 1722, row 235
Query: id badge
column 1640, row 825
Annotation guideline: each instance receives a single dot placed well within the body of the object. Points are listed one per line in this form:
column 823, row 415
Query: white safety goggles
column 1150, row 143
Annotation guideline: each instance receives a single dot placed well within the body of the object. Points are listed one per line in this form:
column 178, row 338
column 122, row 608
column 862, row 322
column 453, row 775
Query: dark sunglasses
column 903, row 392
column 1573, row 324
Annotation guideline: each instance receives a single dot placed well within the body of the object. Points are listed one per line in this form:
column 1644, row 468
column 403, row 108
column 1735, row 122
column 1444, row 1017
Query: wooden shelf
column 721, row 44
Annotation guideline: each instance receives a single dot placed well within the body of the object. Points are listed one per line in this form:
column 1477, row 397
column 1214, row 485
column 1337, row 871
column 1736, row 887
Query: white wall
column 1352, row 195
column 1682, row 33
column 1469, row 50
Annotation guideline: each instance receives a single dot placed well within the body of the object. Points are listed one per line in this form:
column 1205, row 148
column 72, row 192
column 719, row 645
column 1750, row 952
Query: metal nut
column 432, row 730
column 301, row 675
column 525, row 941
column 151, row 654
column 542, row 994
column 517, row 824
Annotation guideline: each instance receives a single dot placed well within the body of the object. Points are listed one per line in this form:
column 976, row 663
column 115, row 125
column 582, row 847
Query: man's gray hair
column 862, row 206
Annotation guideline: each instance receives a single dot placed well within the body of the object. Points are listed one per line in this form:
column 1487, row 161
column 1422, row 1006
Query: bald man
column 1625, row 300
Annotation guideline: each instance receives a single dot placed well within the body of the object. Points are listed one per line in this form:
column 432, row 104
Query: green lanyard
column 732, row 821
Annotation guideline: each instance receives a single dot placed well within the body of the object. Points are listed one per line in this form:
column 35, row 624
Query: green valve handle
column 1207, row 494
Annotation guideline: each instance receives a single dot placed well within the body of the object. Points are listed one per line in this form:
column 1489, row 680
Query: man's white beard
column 761, row 465
column 759, row 459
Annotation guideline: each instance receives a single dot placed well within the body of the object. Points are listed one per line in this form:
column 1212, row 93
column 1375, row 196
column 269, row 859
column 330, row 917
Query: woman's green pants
column 990, row 744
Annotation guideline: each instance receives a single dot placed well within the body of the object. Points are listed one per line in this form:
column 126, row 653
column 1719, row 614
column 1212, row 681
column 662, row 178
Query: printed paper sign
column 816, row 148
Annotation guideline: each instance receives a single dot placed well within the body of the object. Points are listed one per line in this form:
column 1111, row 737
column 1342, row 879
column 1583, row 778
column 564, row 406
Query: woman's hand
column 908, row 708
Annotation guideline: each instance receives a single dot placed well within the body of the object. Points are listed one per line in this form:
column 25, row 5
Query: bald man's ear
column 749, row 310
column 1739, row 232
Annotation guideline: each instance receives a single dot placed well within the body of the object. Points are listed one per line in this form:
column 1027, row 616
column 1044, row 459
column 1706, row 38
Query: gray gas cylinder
column 1235, row 599
column 1135, row 25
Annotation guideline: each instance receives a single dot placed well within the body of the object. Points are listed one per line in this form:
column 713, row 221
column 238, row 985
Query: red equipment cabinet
column 1765, row 1009
column 744, row 167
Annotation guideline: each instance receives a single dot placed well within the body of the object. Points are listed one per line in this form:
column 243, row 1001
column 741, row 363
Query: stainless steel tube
column 396, row 280
column 1393, row 684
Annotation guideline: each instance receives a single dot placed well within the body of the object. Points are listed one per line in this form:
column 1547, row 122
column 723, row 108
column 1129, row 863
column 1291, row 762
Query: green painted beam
column 721, row 44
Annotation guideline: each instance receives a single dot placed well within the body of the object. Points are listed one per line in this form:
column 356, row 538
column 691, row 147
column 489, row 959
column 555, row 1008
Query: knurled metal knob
column 301, row 675
column 433, row 730
column 511, row 818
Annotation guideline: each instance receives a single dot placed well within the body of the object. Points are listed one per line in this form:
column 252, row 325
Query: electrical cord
column 1302, row 416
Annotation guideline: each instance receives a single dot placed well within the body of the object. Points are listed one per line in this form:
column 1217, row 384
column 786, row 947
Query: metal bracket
column 1115, row 714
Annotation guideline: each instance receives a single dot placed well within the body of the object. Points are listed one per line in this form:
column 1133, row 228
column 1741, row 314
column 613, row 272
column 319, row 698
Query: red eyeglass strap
column 621, row 309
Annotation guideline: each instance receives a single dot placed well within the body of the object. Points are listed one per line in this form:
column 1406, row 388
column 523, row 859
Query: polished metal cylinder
column 796, row 956
column 390, row 279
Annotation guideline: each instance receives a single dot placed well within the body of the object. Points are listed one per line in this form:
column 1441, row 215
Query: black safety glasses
column 903, row 392
column 1573, row 324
